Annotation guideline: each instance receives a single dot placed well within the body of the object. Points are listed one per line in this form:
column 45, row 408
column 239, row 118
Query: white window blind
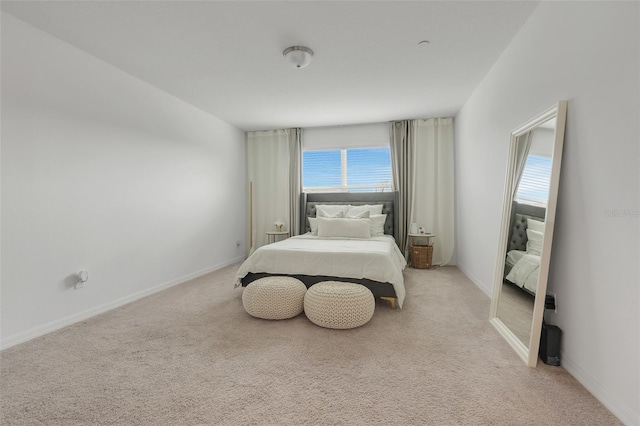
column 346, row 159
column 347, row 170
column 534, row 183
column 345, row 137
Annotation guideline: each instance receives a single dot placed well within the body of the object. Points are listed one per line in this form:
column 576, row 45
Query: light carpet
column 515, row 310
column 191, row 355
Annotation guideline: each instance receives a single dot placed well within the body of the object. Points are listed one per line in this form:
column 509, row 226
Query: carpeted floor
column 515, row 310
column 191, row 355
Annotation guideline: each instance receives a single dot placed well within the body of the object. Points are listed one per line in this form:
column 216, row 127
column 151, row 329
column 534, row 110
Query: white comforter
column 376, row 258
column 525, row 271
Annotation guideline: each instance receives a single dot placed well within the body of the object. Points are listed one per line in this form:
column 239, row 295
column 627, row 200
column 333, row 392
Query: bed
column 526, row 232
column 374, row 262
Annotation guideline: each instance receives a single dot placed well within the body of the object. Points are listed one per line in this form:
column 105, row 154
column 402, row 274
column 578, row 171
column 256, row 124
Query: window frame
column 344, row 185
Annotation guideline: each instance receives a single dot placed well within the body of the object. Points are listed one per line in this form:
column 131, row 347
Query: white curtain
column 424, row 178
column 523, row 145
column 269, row 167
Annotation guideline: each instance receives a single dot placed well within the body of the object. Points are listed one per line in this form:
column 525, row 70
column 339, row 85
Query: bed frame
column 518, row 224
column 308, row 203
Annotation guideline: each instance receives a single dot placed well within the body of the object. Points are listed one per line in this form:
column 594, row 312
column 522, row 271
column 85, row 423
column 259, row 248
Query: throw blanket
column 525, row 272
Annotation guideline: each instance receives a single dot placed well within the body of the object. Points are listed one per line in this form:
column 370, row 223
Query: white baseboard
column 41, row 330
column 624, row 413
column 477, row 282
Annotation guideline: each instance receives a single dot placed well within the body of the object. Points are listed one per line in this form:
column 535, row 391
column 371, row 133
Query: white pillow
column 324, row 213
column 314, row 225
column 534, row 242
column 362, row 215
column 535, row 225
column 514, row 256
column 377, row 224
column 353, row 210
column 332, row 209
column 344, row 228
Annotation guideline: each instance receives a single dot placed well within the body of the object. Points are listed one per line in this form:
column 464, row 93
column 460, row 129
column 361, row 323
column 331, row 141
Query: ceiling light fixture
column 298, row 56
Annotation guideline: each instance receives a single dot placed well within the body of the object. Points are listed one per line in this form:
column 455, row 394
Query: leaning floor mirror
column 528, row 217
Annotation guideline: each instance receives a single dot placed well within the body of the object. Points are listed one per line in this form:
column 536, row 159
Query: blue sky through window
column 366, row 168
column 534, row 183
column 321, row 168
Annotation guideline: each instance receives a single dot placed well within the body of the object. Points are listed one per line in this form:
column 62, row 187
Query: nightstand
column 421, row 250
column 273, row 236
column 420, row 237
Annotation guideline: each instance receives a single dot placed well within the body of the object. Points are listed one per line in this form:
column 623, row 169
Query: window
column 534, row 183
column 347, row 170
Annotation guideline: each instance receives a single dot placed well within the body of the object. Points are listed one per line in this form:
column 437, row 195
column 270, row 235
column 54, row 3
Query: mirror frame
column 530, row 354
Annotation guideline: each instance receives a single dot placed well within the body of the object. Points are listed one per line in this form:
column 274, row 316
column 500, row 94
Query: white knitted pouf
column 274, row 298
column 334, row 304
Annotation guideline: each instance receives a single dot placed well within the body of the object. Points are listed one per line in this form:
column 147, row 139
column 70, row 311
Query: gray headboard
column 518, row 225
column 308, row 202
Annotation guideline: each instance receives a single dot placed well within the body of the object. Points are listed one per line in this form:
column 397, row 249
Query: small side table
column 426, row 235
column 421, row 252
column 272, row 236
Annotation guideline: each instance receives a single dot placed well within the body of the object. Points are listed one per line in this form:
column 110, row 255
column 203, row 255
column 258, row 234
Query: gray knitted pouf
column 274, row 298
column 334, row 304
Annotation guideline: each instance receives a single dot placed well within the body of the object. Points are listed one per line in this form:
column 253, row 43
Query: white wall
column 586, row 53
column 104, row 172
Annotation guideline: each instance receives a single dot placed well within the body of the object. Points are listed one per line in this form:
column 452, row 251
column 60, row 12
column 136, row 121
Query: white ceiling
column 226, row 57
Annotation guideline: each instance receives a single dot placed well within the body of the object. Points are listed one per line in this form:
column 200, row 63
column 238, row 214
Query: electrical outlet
column 550, row 302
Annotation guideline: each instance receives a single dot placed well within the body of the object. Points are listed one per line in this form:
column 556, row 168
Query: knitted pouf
column 339, row 305
column 274, row 298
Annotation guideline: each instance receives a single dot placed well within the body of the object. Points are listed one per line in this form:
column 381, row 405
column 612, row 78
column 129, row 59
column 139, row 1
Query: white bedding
column 375, row 258
column 525, row 271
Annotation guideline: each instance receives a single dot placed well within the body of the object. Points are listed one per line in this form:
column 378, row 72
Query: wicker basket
column 421, row 256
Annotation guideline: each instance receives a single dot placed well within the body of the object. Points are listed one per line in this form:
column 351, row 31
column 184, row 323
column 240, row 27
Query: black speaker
column 550, row 344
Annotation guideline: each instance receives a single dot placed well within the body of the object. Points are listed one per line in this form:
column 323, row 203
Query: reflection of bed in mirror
column 526, row 231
